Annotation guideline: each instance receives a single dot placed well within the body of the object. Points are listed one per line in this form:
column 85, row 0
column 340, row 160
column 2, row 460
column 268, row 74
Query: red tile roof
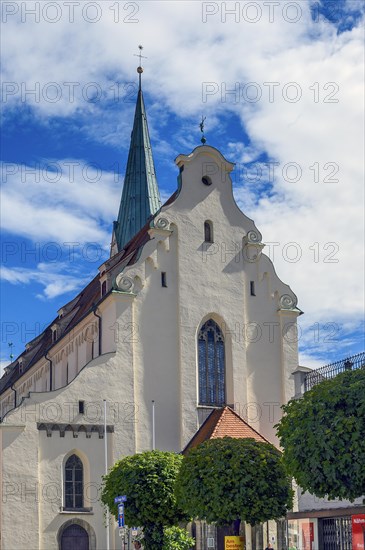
column 224, row 422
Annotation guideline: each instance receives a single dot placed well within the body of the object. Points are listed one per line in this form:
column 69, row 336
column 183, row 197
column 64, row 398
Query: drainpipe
column 50, row 371
column 100, row 327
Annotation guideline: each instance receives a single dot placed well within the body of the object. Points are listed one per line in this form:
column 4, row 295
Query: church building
column 186, row 316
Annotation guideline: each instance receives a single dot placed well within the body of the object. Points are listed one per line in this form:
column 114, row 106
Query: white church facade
column 187, row 313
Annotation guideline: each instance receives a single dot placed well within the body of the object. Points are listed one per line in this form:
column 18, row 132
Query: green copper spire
column 140, row 197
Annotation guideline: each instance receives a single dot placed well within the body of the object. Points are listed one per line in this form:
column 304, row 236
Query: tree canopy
column 226, row 479
column 177, row 538
column 148, row 481
column 323, row 436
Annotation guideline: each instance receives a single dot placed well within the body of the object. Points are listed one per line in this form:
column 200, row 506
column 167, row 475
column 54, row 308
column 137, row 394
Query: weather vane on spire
column 140, row 68
column 201, row 126
column 11, row 350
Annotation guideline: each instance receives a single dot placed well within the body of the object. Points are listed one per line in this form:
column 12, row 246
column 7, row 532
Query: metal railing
column 331, row 370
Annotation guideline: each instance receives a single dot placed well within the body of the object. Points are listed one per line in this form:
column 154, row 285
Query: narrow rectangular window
column 81, row 407
column 163, row 279
column 103, row 288
column 252, row 288
column 208, row 231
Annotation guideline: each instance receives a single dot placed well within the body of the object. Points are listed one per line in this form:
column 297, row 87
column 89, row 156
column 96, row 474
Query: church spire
column 140, row 197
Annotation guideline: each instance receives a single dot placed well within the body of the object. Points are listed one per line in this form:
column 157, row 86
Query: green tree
column 227, row 480
column 177, row 538
column 148, row 481
column 323, row 436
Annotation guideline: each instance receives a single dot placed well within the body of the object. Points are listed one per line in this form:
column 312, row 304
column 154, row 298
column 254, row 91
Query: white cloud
column 71, row 201
column 54, row 281
column 307, row 360
column 183, row 54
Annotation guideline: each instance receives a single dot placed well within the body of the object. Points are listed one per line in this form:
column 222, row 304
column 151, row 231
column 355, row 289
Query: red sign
column 307, row 535
column 358, row 532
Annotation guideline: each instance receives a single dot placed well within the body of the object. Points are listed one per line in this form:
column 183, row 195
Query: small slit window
column 252, row 288
column 163, row 279
column 103, row 288
column 208, row 231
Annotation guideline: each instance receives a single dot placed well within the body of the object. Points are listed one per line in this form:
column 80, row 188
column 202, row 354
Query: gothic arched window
column 211, row 361
column 74, row 483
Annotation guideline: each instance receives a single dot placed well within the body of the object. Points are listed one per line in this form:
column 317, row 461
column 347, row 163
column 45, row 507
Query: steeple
column 140, row 197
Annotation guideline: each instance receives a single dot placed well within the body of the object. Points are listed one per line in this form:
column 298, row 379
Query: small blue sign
column 123, row 498
column 121, row 515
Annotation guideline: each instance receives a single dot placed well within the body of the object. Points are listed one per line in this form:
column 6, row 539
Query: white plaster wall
column 155, row 344
column 72, row 365
column 109, row 328
column 204, row 282
column 216, row 281
column 51, row 462
column 20, row 510
column 31, row 462
column 308, row 502
column 152, row 333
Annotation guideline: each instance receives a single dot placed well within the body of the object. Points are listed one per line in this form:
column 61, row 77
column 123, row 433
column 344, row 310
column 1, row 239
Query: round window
column 206, row 180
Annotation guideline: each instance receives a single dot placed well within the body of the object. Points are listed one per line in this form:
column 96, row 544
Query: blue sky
column 281, row 87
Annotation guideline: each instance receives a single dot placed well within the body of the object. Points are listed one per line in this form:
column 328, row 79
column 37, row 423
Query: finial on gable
column 201, row 125
column 11, row 350
column 140, row 68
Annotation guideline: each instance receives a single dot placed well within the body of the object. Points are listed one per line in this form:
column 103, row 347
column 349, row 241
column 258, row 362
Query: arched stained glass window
column 74, row 483
column 211, row 361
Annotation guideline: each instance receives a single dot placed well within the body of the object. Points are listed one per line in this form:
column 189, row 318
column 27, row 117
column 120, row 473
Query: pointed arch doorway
column 76, row 534
column 74, row 537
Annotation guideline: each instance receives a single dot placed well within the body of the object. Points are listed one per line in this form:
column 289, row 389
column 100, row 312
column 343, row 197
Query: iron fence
column 335, row 533
column 331, row 370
